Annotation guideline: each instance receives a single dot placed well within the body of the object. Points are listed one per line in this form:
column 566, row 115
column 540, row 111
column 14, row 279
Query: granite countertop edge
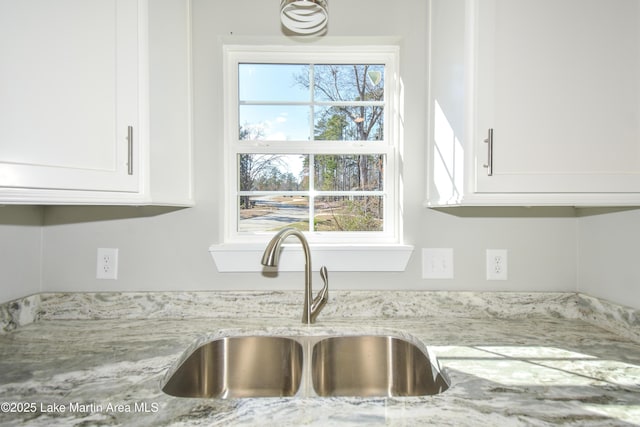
column 621, row 320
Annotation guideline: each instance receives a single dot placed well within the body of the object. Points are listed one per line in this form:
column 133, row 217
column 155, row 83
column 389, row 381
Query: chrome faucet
column 270, row 259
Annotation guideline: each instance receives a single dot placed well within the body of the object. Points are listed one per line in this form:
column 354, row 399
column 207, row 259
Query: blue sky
column 265, row 82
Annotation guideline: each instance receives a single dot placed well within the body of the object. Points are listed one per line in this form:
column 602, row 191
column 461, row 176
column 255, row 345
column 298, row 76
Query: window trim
column 245, row 257
column 384, row 253
column 234, row 54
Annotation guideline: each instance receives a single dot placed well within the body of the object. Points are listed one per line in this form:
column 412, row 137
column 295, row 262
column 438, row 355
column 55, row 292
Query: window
column 311, row 143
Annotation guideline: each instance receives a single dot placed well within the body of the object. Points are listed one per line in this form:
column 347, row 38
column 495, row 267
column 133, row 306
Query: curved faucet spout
column 271, row 257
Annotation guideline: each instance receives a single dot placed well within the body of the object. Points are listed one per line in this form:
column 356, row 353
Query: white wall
column 20, row 251
column 167, row 249
column 609, row 256
column 54, row 248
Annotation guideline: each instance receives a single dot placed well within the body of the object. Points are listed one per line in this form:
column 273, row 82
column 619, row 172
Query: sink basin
column 245, row 366
column 373, row 365
column 303, row 365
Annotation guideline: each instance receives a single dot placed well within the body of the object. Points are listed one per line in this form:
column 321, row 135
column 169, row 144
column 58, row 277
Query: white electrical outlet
column 497, row 264
column 107, row 264
column 437, row 263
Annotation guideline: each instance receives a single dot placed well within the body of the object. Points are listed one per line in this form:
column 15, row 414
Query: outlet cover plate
column 107, row 264
column 497, row 264
column 437, row 263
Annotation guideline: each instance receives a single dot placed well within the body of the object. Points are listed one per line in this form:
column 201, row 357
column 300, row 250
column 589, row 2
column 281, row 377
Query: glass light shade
column 305, row 17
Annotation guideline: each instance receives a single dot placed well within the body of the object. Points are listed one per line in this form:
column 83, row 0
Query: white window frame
column 387, row 55
column 341, row 251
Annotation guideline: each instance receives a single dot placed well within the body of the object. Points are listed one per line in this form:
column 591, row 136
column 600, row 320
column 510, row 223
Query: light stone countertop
column 513, row 359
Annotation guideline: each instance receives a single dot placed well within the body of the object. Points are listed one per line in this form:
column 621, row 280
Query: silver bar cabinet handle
column 489, row 142
column 130, row 150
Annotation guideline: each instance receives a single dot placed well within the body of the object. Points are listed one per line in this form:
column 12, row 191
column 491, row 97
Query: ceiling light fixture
column 304, row 17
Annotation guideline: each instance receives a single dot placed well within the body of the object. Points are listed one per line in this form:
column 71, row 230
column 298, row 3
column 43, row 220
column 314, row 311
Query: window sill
column 246, row 257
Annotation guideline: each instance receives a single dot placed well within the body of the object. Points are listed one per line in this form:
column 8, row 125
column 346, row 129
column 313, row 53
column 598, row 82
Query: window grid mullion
column 320, row 103
column 312, row 191
column 312, row 161
column 306, row 193
column 312, row 98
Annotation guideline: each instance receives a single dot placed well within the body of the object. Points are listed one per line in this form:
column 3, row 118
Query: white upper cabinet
column 558, row 84
column 76, row 85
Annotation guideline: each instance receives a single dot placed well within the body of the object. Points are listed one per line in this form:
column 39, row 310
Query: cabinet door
column 559, row 82
column 68, row 94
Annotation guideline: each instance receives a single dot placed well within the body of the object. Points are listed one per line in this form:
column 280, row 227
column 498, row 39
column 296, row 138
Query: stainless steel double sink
column 382, row 365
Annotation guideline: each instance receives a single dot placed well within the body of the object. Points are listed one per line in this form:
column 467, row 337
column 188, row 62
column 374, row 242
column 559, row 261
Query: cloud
column 276, row 136
column 282, row 118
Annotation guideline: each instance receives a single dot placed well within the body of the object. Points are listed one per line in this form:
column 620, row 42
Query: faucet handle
column 323, row 296
column 324, row 274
